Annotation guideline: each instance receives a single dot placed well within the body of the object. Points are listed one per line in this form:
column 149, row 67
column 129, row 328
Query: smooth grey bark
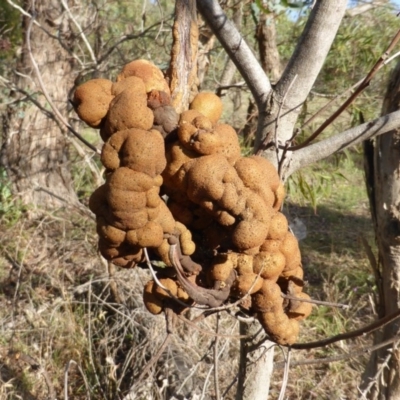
column 230, row 67
column 34, row 148
column 381, row 380
column 341, row 141
column 255, row 365
column 237, row 49
column 299, row 76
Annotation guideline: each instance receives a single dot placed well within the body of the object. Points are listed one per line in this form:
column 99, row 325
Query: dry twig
column 365, row 83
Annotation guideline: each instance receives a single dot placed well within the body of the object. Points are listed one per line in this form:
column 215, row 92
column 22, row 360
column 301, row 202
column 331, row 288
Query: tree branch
column 237, row 49
column 306, row 62
column 341, row 141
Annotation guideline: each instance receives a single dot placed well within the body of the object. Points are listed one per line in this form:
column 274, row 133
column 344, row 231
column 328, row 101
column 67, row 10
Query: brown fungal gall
column 271, row 246
column 150, row 235
column 269, row 265
column 260, row 176
column 170, row 285
column 281, row 329
column 197, row 133
column 122, row 255
column 127, row 110
column 208, row 104
column 278, row 227
column 111, row 234
column 279, row 197
column 165, row 120
column 152, row 76
column 244, row 264
column 268, row 298
column 247, row 284
column 249, row 234
column 289, row 245
column 185, row 239
column 157, row 99
column 300, row 310
column 220, row 271
column 134, row 85
column 92, row 100
column 137, row 149
column 153, row 304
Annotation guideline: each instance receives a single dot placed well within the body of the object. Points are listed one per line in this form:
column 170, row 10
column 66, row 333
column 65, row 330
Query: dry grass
column 63, row 328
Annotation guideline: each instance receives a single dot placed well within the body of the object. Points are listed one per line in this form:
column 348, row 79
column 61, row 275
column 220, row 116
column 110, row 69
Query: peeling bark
column 183, row 67
column 383, row 173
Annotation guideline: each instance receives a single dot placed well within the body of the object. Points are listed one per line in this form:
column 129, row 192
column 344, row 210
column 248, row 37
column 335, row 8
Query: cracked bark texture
column 382, row 167
column 183, row 67
column 34, row 148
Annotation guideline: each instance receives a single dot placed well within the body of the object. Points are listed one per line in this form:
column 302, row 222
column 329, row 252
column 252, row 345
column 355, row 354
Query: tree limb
column 341, row 141
column 306, row 62
column 237, row 49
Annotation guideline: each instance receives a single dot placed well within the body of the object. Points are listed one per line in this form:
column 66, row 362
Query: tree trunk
column 267, row 48
column 34, row 148
column 381, row 379
column 256, row 365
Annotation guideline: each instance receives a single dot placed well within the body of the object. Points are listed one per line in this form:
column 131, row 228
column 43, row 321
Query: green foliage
column 10, row 33
column 276, row 6
column 11, row 210
column 313, row 185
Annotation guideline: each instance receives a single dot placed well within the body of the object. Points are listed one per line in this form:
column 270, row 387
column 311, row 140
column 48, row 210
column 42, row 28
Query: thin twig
column 158, row 283
column 378, row 374
column 261, row 148
column 194, row 368
column 175, row 260
column 203, row 392
column 156, row 356
column 80, row 31
column 215, row 353
column 22, row 11
column 90, row 348
column 365, row 83
column 312, row 301
column 352, row 353
column 347, row 91
column 35, row 365
column 349, row 335
column 374, row 263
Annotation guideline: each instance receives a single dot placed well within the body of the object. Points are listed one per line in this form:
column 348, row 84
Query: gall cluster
column 178, row 186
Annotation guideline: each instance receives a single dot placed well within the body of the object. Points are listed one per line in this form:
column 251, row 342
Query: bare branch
column 237, row 49
column 324, row 148
column 349, row 335
column 80, row 31
column 364, row 84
